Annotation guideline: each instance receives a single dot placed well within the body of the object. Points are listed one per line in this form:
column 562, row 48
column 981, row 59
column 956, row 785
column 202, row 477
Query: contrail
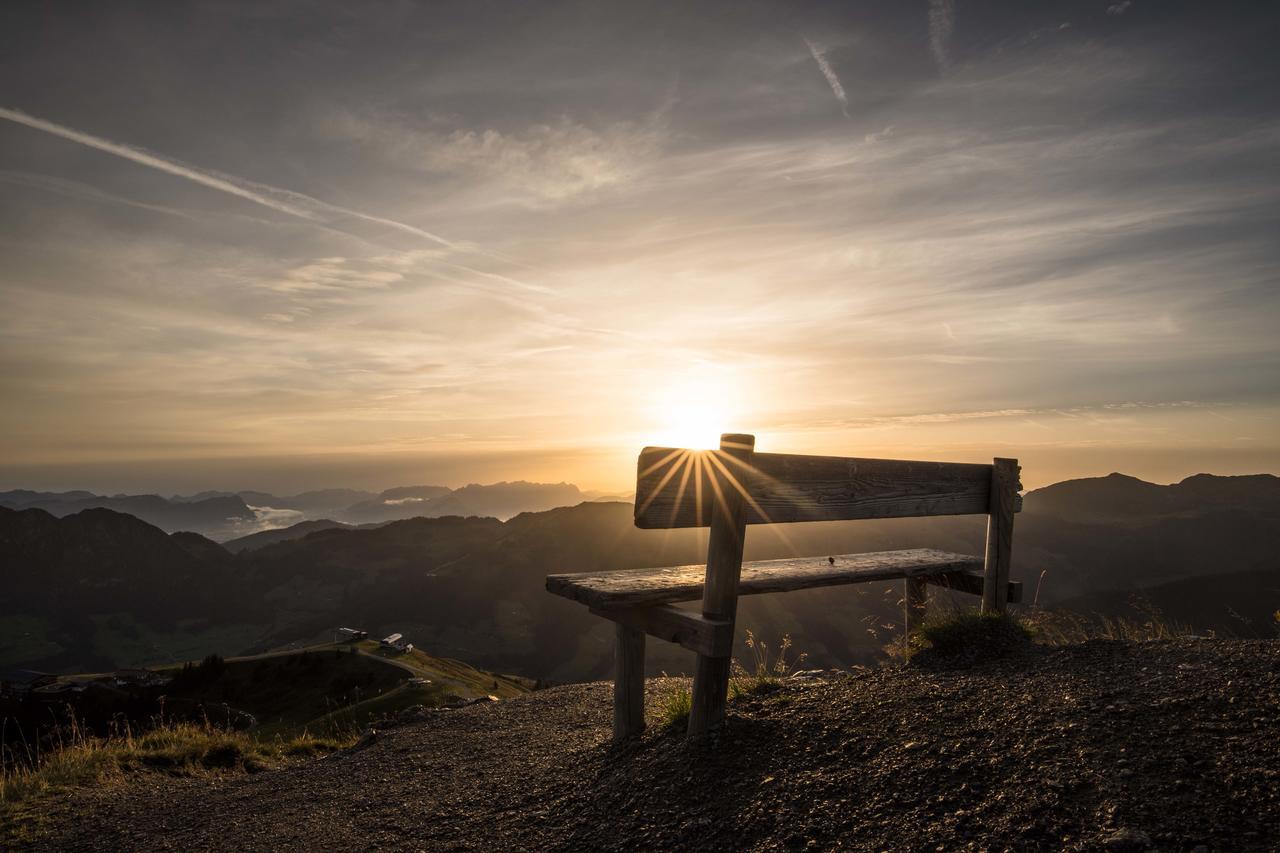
column 827, row 71
column 941, row 19
column 282, row 200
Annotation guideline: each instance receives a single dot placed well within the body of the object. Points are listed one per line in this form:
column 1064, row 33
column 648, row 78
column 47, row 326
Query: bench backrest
column 683, row 488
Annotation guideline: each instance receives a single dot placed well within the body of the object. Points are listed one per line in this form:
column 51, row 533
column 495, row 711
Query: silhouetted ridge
column 472, row 587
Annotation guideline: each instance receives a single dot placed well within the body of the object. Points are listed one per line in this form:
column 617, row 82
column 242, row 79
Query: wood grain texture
column 696, row 633
column 972, row 582
column 678, row 488
column 640, row 587
column 999, row 555
column 628, row 682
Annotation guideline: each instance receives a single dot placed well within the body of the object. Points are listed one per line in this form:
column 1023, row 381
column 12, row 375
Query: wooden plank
column 971, row 582
column 678, row 488
column 641, row 587
column 1004, row 489
column 720, row 590
column 696, row 633
column 628, row 682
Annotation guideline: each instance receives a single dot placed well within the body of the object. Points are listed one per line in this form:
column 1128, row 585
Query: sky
column 291, row 245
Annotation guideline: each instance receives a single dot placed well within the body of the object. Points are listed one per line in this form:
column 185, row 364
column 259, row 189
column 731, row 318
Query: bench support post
column 1004, row 493
column 628, row 682
column 720, row 592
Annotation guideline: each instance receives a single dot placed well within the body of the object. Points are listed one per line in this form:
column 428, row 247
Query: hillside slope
column 334, row 685
column 1104, row 745
column 263, row 538
column 473, row 588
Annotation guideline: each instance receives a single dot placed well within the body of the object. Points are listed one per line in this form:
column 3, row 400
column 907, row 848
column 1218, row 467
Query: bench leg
column 710, row 693
column 628, row 682
column 1004, row 493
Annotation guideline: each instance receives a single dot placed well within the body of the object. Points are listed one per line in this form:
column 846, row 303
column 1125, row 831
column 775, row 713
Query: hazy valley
column 226, row 516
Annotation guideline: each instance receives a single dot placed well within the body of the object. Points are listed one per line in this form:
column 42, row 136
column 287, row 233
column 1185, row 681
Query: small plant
column 82, row 758
column 673, row 707
column 966, row 632
column 766, row 672
column 1064, row 627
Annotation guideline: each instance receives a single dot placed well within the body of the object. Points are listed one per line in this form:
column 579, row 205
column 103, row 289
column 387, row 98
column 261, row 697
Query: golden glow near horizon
column 695, row 408
column 436, row 251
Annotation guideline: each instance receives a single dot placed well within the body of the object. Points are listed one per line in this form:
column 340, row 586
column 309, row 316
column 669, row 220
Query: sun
column 694, row 411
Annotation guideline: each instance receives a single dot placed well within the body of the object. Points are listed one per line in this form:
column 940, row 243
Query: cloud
column 941, row 20
column 1119, row 8
column 539, row 165
column 322, row 214
column 1091, row 411
column 282, row 200
column 879, row 135
column 820, row 57
column 76, row 189
column 330, row 275
column 1096, row 242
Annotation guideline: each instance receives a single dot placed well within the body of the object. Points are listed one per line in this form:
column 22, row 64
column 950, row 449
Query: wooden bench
column 729, row 488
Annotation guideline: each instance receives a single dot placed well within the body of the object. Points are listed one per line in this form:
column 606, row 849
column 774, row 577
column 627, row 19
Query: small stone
column 1127, row 839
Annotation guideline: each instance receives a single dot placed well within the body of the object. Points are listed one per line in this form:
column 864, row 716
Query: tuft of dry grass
column 951, row 633
column 181, row 748
column 767, row 671
column 1065, row 627
column 673, row 707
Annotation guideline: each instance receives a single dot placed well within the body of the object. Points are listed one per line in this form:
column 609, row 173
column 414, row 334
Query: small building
column 138, row 678
column 351, row 635
column 396, row 642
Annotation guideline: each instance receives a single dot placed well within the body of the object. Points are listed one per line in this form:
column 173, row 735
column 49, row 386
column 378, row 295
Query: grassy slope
column 176, row 749
column 323, row 686
column 307, row 701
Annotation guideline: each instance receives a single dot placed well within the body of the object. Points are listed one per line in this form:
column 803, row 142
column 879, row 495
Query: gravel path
column 1168, row 746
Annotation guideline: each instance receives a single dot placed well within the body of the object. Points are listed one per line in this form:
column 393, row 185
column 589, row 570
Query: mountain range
column 225, row 516
column 98, row 588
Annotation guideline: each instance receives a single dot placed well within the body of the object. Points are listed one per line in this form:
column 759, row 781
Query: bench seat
column 632, row 588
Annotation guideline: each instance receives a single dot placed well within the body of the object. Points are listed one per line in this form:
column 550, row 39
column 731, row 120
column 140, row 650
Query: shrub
column 966, row 633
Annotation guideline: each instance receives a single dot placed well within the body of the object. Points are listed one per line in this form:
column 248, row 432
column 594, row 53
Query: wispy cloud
column 539, row 166
column 942, row 17
column 820, row 57
column 320, row 213
column 75, row 189
column 1092, row 412
column 282, row 200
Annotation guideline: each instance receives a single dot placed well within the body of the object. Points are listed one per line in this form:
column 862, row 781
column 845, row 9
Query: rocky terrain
column 1100, row 746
